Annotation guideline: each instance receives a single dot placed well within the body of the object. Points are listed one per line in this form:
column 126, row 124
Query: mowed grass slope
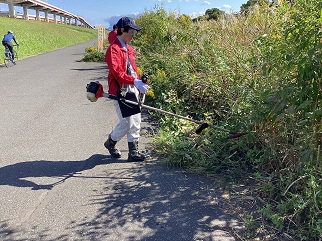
column 37, row 37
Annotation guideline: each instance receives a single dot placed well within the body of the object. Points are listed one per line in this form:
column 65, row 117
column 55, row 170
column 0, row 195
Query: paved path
column 58, row 182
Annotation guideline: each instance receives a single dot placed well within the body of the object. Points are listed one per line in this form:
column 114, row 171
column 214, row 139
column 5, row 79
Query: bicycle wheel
column 7, row 62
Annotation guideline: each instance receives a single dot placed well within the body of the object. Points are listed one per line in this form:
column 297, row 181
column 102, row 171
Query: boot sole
column 131, row 159
column 134, row 160
column 113, row 155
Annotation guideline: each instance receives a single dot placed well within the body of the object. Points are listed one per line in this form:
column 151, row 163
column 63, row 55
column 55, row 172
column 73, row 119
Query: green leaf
column 280, row 117
column 280, row 106
column 289, row 57
column 291, row 110
column 311, row 53
column 187, row 156
column 305, row 104
column 318, row 112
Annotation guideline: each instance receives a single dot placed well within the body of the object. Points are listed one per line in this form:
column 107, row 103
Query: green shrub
column 93, row 55
column 90, row 49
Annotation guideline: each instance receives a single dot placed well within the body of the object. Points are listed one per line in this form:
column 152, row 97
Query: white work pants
column 129, row 126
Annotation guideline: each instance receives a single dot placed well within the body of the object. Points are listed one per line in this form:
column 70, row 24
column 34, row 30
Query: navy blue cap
column 127, row 22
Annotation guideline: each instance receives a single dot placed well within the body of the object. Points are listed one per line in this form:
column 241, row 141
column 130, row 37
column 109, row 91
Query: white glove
column 143, row 88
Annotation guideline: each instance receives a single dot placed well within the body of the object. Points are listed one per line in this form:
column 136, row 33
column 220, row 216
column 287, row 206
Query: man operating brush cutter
column 124, row 82
column 95, row 91
column 125, row 88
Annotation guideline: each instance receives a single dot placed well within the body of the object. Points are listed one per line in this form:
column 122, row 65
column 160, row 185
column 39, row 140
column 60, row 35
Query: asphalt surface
column 58, row 182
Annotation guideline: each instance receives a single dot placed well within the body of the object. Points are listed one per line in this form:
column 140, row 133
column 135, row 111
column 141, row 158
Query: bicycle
column 8, row 61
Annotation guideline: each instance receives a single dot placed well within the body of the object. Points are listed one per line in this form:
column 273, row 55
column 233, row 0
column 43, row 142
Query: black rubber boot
column 134, row 154
column 110, row 145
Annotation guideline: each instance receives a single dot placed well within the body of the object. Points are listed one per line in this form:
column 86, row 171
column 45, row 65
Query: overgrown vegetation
column 258, row 73
column 92, row 54
column 37, row 37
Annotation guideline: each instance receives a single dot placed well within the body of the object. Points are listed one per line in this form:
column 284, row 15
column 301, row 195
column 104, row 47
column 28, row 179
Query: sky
column 107, row 12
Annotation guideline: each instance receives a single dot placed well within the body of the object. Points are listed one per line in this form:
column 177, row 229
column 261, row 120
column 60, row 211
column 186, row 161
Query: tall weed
column 259, row 73
column 291, row 111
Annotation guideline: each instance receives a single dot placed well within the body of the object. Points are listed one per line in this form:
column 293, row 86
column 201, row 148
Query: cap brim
column 136, row 27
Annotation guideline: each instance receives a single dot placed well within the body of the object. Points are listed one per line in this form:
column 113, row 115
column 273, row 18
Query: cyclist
column 6, row 41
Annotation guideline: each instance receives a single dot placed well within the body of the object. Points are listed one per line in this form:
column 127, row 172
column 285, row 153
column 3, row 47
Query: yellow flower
column 150, row 93
column 140, row 72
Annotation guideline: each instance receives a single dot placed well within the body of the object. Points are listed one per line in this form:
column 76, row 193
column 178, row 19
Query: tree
column 214, row 13
column 245, row 7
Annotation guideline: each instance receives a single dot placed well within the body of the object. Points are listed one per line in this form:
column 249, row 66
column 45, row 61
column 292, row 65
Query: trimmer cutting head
column 202, row 127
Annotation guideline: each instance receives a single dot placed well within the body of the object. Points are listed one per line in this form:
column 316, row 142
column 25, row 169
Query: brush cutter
column 95, row 90
column 201, row 127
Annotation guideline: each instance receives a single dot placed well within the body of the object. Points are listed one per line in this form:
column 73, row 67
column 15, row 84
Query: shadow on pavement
column 142, row 201
column 158, row 203
column 102, row 67
column 5, row 229
column 100, row 70
column 16, row 174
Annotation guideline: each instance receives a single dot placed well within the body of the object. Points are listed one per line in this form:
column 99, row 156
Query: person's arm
column 14, row 39
column 114, row 58
column 115, row 61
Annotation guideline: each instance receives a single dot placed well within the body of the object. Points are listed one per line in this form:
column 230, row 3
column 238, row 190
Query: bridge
column 51, row 13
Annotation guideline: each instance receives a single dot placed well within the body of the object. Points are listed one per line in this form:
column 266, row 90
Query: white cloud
column 135, row 14
column 113, row 19
column 226, row 6
column 195, row 15
column 206, row 3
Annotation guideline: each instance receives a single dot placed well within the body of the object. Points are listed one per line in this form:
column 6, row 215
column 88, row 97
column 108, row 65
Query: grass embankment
column 37, row 37
column 258, row 73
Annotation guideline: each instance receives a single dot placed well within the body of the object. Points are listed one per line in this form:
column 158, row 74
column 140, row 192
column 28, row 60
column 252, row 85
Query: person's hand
column 143, row 88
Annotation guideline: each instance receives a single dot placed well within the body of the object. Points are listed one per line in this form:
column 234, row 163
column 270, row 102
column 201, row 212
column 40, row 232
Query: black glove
column 145, row 78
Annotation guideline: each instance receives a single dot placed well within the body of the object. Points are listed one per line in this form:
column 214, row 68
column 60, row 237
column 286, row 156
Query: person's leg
column 5, row 49
column 134, row 128
column 10, row 47
column 122, row 127
column 133, row 139
column 117, row 133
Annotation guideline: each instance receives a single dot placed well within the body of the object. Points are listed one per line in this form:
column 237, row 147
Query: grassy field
column 37, row 37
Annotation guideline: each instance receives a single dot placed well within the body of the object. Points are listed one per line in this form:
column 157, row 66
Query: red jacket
column 112, row 36
column 116, row 60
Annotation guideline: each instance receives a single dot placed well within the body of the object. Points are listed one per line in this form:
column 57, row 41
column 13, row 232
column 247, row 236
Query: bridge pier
column 25, row 13
column 11, row 7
